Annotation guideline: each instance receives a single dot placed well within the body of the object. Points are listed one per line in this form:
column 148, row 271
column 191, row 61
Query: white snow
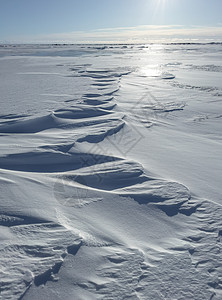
column 110, row 172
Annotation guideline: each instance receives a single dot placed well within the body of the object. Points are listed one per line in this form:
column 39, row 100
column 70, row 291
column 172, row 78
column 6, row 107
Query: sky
column 87, row 21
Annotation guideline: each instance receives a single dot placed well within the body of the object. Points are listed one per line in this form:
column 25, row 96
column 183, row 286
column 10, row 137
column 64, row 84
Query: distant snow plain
column 110, row 172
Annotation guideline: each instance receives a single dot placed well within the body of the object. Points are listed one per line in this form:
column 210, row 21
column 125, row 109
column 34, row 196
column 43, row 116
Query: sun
column 161, row 3
column 159, row 8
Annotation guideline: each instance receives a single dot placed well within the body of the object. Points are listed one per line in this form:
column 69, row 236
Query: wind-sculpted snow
column 109, row 191
column 129, row 180
column 209, row 68
column 34, row 258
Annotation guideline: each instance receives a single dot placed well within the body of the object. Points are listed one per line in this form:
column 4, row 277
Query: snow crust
column 110, row 172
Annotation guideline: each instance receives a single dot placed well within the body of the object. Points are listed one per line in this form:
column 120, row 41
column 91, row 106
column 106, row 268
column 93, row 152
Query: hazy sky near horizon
column 109, row 20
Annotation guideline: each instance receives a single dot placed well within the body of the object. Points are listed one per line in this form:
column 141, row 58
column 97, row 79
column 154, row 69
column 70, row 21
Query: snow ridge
column 81, row 220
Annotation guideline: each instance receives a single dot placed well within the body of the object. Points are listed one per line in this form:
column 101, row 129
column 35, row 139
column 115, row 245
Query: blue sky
column 109, row 20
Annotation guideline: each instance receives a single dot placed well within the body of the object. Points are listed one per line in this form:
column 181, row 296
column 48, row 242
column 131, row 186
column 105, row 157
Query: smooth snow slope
column 110, row 172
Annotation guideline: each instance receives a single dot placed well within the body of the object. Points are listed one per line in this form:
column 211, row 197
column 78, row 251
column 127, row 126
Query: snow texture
column 110, row 172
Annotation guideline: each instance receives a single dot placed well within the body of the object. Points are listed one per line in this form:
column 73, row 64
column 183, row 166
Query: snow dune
column 110, row 172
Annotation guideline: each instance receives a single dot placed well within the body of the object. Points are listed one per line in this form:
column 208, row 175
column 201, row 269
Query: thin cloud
column 143, row 33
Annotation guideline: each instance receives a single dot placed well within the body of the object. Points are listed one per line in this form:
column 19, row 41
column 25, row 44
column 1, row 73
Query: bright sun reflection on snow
column 153, row 63
column 151, row 71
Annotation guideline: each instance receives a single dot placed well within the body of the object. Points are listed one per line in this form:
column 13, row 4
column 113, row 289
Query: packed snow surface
column 110, row 172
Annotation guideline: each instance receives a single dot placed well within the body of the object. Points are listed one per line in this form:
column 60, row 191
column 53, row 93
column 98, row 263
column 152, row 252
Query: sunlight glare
column 158, row 8
column 161, row 4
